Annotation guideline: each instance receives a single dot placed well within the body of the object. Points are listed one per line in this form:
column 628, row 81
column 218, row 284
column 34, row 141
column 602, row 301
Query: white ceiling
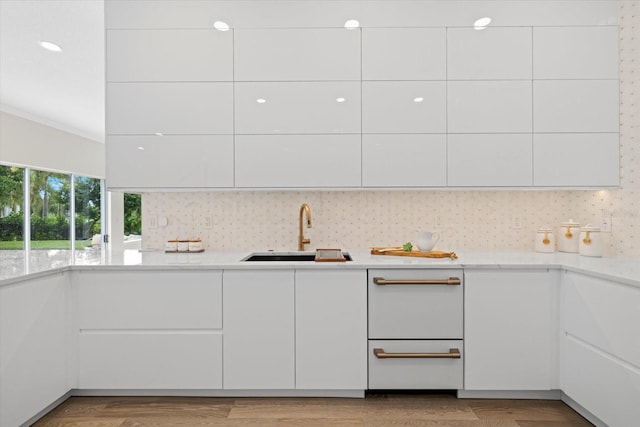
column 64, row 90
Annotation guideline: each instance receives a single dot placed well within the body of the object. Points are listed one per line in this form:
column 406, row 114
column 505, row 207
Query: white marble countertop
column 625, row 270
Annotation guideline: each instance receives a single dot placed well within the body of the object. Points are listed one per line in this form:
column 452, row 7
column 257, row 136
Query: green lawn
column 45, row 244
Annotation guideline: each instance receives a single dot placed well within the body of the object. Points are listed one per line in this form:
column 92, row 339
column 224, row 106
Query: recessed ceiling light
column 418, row 99
column 221, row 26
column 261, row 100
column 50, row 46
column 352, row 24
column 140, row 148
column 159, row 134
column 482, row 23
column 340, row 99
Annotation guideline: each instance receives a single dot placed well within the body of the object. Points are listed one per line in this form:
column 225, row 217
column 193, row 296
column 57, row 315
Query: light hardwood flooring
column 375, row 410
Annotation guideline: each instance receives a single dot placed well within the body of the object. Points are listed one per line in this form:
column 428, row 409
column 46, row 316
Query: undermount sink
column 286, row 256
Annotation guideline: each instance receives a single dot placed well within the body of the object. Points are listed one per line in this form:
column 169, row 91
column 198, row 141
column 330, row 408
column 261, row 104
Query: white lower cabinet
column 602, row 347
column 33, row 347
column 259, row 348
column 149, row 330
column 511, row 330
column 331, row 329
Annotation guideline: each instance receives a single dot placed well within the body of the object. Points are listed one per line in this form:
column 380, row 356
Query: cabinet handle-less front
column 449, row 281
column 454, row 353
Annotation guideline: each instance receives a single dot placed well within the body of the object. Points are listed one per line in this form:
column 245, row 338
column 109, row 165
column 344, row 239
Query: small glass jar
column 545, row 240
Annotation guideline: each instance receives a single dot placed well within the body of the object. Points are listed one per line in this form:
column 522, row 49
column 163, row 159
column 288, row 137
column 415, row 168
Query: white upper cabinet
column 404, row 53
column 491, row 53
column 296, row 54
column 404, row 107
column 142, row 161
column 297, row 108
column 169, row 108
column 594, row 159
column 297, row 161
column 576, row 106
column 575, row 53
column 490, row 160
column 421, row 158
column 489, row 106
column 169, row 55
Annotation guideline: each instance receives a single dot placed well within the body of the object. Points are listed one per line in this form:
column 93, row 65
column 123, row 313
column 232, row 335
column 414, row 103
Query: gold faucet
column 304, row 209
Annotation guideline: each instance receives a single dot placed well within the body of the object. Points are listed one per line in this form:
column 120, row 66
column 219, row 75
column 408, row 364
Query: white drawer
column 153, row 360
column 149, row 300
column 599, row 312
column 390, row 370
column 419, row 311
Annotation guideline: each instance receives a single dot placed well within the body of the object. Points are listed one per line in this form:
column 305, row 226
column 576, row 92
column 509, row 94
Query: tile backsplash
column 467, row 220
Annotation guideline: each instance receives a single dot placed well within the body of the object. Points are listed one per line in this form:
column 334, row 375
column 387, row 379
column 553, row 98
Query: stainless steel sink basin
column 285, row 256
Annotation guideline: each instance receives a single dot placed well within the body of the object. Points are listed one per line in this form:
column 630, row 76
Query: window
column 50, row 210
column 11, row 208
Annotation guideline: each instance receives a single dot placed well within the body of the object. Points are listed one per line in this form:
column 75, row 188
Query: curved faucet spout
column 305, row 210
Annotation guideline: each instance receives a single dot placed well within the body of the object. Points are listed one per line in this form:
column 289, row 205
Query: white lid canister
column 545, row 240
column 590, row 242
column 568, row 236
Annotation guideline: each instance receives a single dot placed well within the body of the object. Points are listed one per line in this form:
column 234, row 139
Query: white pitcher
column 426, row 240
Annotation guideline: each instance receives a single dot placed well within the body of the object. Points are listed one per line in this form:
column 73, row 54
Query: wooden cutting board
column 390, row 250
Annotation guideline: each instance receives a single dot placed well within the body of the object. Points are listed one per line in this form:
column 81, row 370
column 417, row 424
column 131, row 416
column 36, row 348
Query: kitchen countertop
column 14, row 269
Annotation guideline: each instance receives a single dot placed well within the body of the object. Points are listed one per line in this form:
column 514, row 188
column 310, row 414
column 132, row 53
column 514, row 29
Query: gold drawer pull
column 454, row 353
column 449, row 281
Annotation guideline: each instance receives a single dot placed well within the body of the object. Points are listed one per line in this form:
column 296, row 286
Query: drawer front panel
column 414, row 310
column 150, row 300
column 608, row 388
column 150, row 361
column 599, row 312
column 437, row 373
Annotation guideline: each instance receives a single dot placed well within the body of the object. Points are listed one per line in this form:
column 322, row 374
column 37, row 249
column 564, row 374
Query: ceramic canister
column 590, row 243
column 545, row 240
column 568, row 236
column 171, row 246
column 183, row 246
column 195, row 245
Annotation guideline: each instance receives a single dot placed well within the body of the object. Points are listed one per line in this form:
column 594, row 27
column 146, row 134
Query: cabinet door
column 259, row 350
column 297, row 108
column 491, row 160
column 404, row 107
column 169, row 55
column 489, row 106
column 595, row 159
column 404, row 53
column 169, row 108
column 493, row 53
column 187, row 161
column 33, row 350
column 510, row 330
column 421, row 158
column 576, row 106
column 296, row 54
column 331, row 329
column 297, row 161
column 575, row 52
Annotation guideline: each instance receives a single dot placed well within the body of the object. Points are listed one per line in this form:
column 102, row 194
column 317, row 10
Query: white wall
column 27, row 143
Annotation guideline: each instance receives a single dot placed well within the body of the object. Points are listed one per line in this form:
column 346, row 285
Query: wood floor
column 376, row 410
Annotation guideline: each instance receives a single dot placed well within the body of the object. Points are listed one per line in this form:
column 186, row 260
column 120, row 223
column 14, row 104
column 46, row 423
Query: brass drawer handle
column 449, row 281
column 454, row 353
